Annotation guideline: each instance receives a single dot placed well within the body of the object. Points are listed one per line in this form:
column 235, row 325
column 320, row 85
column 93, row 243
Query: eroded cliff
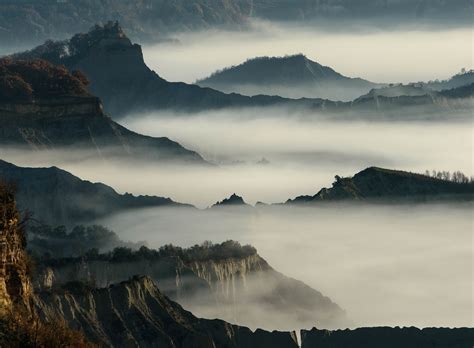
column 136, row 314
column 15, row 288
column 244, row 290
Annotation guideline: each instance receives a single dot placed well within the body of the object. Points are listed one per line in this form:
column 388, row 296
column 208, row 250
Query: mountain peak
column 292, row 76
column 233, row 200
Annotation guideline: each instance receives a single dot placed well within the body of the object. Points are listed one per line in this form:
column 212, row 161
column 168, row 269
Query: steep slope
column 58, row 197
column 387, row 337
column 44, row 106
column 15, row 287
column 103, row 52
column 291, row 76
column 136, row 314
column 225, row 280
column 391, row 185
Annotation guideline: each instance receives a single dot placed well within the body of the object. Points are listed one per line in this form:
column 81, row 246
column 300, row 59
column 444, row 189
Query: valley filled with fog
column 268, row 159
column 385, row 265
column 394, row 264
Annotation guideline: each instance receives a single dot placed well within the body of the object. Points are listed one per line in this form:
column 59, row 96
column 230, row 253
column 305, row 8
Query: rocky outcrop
column 58, row 197
column 390, row 185
column 15, row 288
column 136, row 314
column 233, row 200
column 245, row 290
column 387, row 337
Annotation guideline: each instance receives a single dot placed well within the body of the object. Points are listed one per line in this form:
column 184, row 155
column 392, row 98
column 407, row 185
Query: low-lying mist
column 385, row 265
column 268, row 159
column 398, row 55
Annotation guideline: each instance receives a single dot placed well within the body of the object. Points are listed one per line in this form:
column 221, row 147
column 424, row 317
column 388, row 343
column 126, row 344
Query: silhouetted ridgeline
column 55, row 196
column 290, row 76
column 392, row 186
column 387, row 337
column 102, row 53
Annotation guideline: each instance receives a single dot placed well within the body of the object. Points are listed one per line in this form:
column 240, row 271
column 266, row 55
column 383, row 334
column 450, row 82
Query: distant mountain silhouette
column 390, row 185
column 35, row 21
column 290, row 76
column 464, row 78
column 57, row 197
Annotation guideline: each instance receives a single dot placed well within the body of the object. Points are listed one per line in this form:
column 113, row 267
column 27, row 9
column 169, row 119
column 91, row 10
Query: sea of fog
column 268, row 159
column 397, row 55
column 385, row 265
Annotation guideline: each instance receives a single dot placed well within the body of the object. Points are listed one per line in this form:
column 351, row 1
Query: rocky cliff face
column 15, row 286
column 136, row 314
column 242, row 290
column 387, row 337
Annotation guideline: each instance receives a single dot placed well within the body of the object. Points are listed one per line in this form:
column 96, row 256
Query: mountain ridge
column 56, row 196
column 288, row 76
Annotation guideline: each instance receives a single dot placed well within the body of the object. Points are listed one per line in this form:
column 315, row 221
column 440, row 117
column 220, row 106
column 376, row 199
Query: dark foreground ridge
column 57, row 197
column 44, row 106
column 391, row 185
column 387, row 337
column 136, row 314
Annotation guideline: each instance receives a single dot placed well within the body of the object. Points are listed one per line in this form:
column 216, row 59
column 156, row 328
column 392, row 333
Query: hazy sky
column 379, row 56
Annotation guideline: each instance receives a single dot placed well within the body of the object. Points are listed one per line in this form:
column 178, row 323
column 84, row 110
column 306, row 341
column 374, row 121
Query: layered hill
column 392, row 185
column 407, row 337
column 102, row 55
column 46, row 107
column 55, row 196
column 227, row 281
column 291, row 76
column 103, row 52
